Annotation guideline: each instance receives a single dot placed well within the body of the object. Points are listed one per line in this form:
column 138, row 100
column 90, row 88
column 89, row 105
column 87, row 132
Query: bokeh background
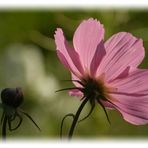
column 28, row 60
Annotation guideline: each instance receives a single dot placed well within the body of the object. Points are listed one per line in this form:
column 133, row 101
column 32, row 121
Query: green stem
column 4, row 128
column 76, row 117
column 61, row 129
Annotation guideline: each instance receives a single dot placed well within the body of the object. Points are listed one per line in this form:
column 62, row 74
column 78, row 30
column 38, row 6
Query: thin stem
column 61, row 129
column 91, row 110
column 76, row 118
column 18, row 125
column 68, row 89
column 27, row 115
column 104, row 110
column 75, row 81
column 4, row 128
column 2, row 118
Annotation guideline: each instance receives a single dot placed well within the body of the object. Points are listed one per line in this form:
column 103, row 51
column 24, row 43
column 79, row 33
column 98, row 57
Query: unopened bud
column 12, row 97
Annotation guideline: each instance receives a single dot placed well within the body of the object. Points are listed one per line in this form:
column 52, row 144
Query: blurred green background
column 28, row 59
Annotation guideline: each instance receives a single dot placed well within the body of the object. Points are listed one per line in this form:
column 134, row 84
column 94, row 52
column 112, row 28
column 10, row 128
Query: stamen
column 61, row 129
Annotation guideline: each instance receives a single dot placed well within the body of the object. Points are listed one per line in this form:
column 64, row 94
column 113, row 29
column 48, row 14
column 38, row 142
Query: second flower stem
column 4, row 126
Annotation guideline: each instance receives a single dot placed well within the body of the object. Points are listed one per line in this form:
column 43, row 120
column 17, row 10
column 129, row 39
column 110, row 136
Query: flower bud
column 12, row 97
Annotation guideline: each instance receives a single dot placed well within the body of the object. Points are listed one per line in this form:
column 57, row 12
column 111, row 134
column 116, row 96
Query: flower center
column 94, row 88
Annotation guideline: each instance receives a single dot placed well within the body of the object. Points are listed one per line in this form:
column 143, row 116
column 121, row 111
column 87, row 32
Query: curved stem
column 4, row 128
column 27, row 115
column 76, row 118
column 61, row 129
column 18, row 125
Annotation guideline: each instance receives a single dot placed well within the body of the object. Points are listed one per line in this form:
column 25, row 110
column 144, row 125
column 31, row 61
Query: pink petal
column 86, row 40
column 122, row 50
column 107, row 104
column 98, row 56
column 75, row 92
column 65, row 62
column 133, row 109
column 131, row 96
column 135, row 83
column 74, row 77
column 67, row 54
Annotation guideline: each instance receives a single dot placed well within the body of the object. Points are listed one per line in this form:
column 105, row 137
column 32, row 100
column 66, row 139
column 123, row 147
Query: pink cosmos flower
column 107, row 71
